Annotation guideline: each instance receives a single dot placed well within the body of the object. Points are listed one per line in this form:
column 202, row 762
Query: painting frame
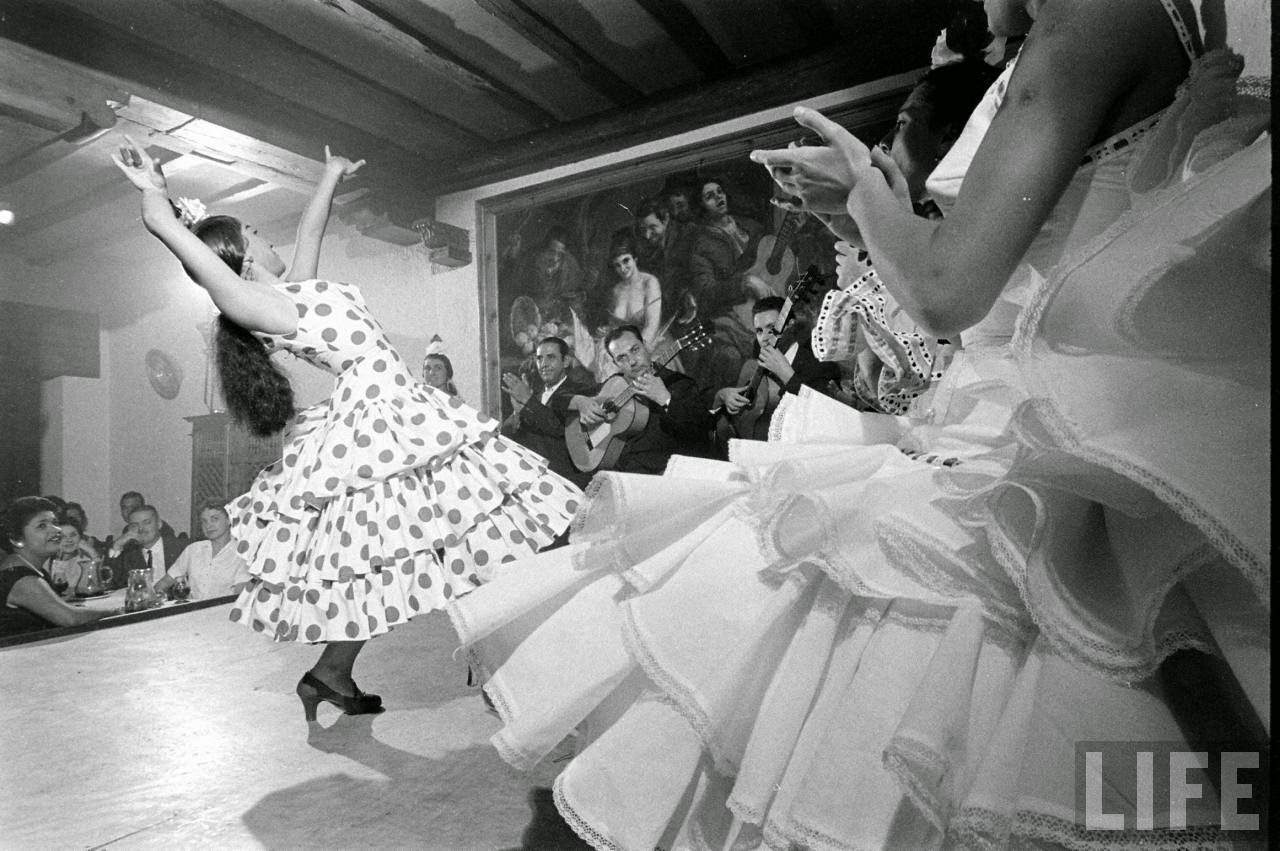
column 866, row 111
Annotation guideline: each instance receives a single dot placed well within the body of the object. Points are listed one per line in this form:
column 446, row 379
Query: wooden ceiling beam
column 207, row 92
column 687, row 32
column 503, row 93
column 759, row 88
column 549, row 38
column 309, row 76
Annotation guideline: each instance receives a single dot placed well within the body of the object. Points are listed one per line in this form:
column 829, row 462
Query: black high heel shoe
column 311, row 691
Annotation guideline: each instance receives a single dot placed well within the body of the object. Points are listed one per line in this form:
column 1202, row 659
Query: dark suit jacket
column 542, row 427
column 682, row 429
column 133, row 558
column 809, row 371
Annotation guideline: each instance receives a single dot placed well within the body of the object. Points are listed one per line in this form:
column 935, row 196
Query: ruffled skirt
column 808, row 647
column 381, row 510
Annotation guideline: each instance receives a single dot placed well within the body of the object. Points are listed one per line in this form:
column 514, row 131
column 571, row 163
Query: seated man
column 678, row 422
column 131, row 501
column 785, row 370
column 541, row 408
column 147, row 543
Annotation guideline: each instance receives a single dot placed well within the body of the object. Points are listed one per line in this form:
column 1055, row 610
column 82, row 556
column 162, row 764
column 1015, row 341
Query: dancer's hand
column 843, row 226
column 886, row 165
column 819, row 176
column 340, row 165
column 137, row 165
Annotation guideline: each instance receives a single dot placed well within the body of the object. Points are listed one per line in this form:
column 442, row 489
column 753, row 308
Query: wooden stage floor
column 184, row 732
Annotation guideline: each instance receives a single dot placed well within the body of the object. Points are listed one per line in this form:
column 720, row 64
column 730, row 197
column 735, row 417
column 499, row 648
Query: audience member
column 437, row 372
column 210, row 567
column 30, row 535
column 76, row 514
column 147, row 543
column 131, row 501
column 543, row 405
column 74, row 556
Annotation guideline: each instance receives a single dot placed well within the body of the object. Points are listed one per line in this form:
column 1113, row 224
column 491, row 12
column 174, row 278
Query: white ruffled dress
column 391, row 497
column 891, row 632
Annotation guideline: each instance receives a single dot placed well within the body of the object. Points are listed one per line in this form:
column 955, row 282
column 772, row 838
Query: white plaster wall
column 115, row 433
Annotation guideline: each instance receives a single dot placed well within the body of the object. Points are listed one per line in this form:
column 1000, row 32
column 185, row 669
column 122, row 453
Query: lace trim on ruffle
column 1102, row 658
column 681, row 700
column 579, row 825
column 1024, row 339
column 902, row 758
column 976, row 827
column 918, row 554
column 778, row 422
column 593, row 504
column 788, row 835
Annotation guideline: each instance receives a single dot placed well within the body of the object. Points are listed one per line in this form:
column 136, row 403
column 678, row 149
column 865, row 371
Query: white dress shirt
column 210, row 575
column 548, row 391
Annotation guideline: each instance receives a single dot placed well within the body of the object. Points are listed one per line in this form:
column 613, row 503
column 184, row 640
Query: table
column 115, row 600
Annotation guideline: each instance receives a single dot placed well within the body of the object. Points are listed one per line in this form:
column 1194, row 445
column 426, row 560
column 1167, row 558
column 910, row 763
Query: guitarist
column 678, row 421
column 788, row 363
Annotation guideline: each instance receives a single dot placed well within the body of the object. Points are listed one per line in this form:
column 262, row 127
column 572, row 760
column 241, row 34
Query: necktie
column 149, row 570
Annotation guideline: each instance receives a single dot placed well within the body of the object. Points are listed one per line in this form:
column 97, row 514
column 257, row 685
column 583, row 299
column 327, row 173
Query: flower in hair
column 944, row 54
column 190, row 211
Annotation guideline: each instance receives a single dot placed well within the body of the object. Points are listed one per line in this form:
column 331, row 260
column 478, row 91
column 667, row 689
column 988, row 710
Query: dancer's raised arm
column 1082, row 73
column 244, row 299
column 306, row 251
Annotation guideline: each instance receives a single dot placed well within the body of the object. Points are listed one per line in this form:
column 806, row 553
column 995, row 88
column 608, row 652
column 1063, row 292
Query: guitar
column 747, row 423
column 775, row 263
column 598, row 447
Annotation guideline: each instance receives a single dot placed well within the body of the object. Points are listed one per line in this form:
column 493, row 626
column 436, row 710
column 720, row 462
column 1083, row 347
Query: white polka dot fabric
column 390, row 498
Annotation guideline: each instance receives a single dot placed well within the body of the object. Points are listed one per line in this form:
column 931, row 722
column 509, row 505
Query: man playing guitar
column 788, row 363
column 677, row 422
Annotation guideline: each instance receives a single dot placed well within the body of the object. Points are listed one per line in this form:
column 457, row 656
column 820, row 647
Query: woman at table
column 30, row 534
column 210, row 567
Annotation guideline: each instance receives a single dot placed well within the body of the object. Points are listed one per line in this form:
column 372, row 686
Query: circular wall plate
column 165, row 375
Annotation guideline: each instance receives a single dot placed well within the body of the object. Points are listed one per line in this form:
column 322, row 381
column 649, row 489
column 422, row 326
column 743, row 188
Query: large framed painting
column 688, row 237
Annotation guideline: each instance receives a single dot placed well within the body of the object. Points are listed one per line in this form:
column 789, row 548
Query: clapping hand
column 137, row 165
column 340, row 165
column 517, row 388
column 818, row 176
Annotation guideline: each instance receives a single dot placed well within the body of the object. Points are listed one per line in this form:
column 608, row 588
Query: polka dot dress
column 390, row 497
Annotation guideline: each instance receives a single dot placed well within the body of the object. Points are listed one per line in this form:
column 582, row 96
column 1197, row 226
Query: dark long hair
column 258, row 395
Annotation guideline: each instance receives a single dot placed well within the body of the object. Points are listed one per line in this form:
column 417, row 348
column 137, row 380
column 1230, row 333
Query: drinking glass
column 180, row 590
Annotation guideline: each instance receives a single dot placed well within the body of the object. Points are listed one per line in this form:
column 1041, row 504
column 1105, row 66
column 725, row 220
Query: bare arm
column 252, row 304
column 36, row 596
column 306, row 250
column 1077, row 67
column 652, row 308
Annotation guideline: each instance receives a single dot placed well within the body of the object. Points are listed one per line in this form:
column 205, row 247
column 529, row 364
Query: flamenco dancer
column 391, row 496
column 879, row 631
